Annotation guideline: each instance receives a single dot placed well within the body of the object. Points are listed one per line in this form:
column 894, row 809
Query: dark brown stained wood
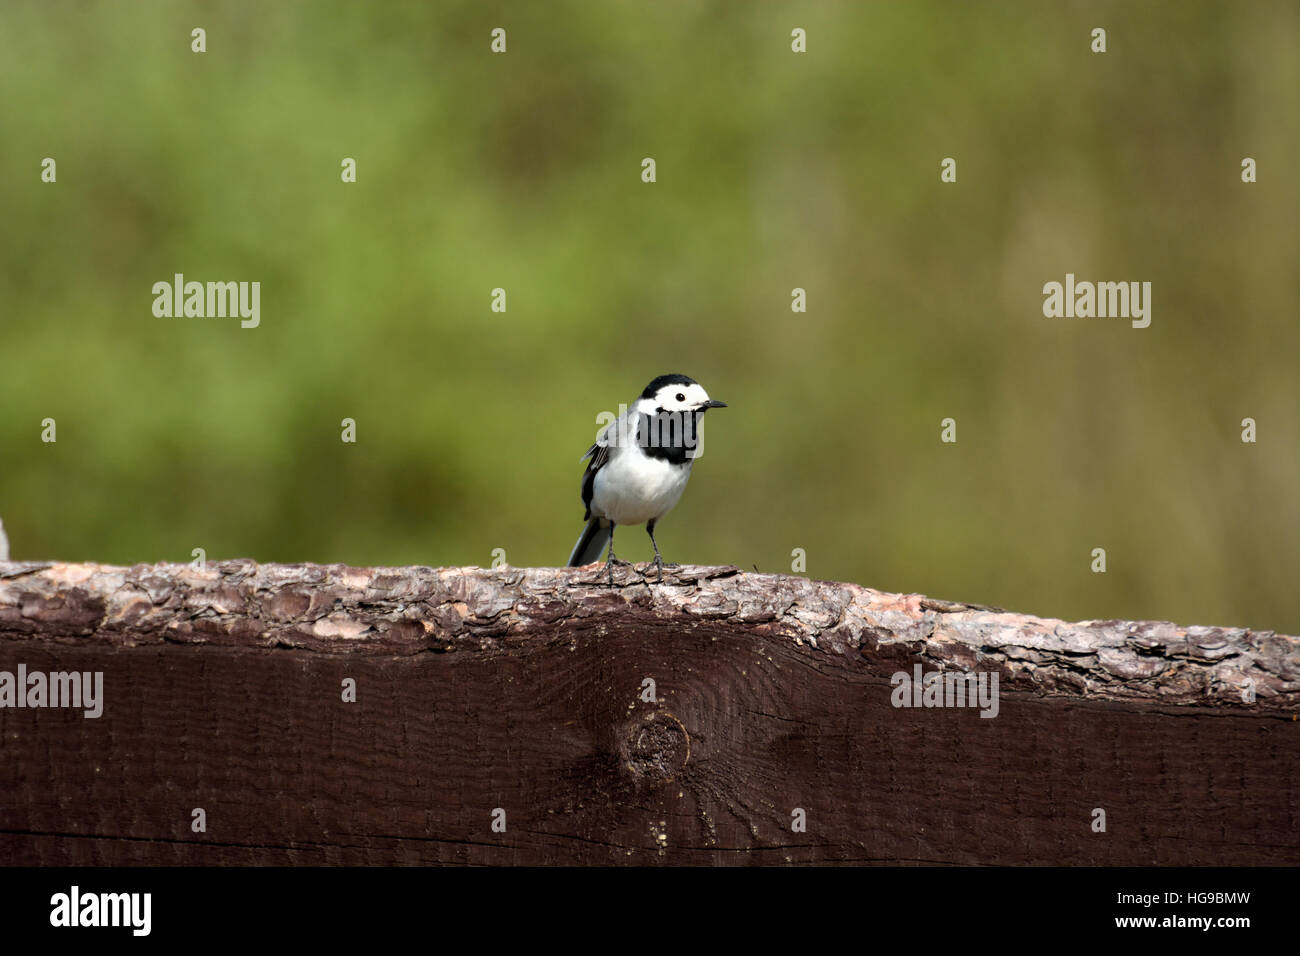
column 520, row 689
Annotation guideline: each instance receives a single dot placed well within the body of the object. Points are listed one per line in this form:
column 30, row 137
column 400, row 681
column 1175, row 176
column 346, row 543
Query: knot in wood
column 657, row 748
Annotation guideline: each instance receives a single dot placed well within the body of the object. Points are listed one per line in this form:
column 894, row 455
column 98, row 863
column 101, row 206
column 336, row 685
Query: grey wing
column 599, row 454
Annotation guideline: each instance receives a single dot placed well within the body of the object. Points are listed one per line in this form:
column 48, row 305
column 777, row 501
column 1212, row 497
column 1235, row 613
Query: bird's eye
column 681, row 397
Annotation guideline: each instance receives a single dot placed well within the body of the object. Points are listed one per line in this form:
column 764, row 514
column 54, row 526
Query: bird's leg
column 610, row 559
column 659, row 558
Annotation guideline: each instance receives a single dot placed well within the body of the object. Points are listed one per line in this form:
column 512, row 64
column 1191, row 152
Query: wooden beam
column 523, row 697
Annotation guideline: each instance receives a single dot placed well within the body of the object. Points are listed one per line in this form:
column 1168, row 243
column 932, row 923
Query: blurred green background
column 775, row 171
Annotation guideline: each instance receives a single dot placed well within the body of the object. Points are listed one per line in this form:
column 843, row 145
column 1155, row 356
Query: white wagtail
column 640, row 465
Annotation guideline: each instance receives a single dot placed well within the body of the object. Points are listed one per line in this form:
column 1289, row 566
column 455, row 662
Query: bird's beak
column 714, row 403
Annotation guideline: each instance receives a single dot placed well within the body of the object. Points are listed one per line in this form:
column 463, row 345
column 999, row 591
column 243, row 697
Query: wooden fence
column 274, row 714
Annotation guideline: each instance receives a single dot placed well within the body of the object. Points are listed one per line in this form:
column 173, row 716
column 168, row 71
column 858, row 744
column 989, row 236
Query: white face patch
column 681, row 398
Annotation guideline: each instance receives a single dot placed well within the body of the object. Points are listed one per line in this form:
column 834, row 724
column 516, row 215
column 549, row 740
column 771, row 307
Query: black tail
column 591, row 544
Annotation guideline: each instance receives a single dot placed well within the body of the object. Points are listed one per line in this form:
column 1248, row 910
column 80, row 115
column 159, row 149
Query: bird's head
column 678, row 393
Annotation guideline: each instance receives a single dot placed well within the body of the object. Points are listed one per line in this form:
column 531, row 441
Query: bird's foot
column 609, row 567
column 659, row 563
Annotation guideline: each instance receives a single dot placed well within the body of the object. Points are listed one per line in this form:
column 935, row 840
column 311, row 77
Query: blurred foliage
column 775, row 170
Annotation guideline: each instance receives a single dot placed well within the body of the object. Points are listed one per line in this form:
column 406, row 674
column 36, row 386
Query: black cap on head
column 674, row 379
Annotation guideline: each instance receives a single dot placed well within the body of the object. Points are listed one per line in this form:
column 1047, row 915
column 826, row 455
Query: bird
column 639, row 466
column 4, row 543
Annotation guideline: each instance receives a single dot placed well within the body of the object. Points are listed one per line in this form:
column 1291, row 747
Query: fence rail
column 303, row 714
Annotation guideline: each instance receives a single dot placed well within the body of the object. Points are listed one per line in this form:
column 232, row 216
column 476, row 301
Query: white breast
column 632, row 488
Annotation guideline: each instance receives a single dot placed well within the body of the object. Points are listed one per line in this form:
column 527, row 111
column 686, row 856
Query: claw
column 609, row 567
